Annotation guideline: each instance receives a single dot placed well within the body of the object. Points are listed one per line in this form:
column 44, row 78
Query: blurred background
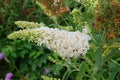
column 27, row 61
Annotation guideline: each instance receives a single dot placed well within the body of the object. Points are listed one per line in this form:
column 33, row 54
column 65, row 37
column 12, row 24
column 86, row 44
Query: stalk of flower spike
column 9, row 76
column 66, row 44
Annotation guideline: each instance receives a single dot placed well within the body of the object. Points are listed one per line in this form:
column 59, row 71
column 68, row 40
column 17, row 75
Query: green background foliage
column 28, row 61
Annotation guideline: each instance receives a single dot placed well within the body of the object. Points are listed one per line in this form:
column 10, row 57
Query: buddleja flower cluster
column 67, row 44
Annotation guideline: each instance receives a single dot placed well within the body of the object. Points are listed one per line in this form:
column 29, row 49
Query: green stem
column 115, row 62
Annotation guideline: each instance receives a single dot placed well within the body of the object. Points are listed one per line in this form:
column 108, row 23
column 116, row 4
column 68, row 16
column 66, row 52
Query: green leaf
column 56, row 69
column 28, row 46
column 32, row 54
column 34, row 66
column 98, row 61
column 110, row 55
column 23, row 67
column 115, row 69
column 82, row 71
